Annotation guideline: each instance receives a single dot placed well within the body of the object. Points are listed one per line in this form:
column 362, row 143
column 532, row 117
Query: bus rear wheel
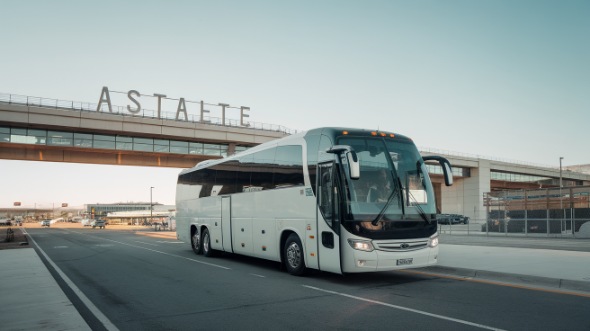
column 196, row 242
column 206, row 239
column 293, row 256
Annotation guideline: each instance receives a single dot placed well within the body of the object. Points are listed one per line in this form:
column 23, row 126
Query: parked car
column 452, row 219
column 46, row 223
column 98, row 224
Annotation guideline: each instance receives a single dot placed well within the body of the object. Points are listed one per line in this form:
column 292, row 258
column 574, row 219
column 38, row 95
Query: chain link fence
column 550, row 212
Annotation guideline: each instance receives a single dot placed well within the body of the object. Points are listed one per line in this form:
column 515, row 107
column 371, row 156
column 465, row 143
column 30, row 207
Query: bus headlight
column 361, row 245
column 433, row 241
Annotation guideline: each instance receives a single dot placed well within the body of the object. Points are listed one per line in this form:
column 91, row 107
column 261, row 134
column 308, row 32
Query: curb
column 577, row 286
column 157, row 234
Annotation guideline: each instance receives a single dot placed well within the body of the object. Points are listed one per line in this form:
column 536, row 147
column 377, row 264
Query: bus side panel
column 242, row 235
column 183, row 219
column 294, row 210
column 264, row 234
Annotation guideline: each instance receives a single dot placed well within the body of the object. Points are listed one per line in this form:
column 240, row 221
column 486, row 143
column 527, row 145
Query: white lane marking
column 406, row 309
column 156, row 251
column 91, row 307
column 141, row 242
column 170, row 242
column 257, row 275
column 60, row 247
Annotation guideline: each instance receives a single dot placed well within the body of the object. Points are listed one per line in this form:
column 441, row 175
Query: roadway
column 142, row 283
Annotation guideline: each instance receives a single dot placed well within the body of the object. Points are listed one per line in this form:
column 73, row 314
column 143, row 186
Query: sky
column 502, row 79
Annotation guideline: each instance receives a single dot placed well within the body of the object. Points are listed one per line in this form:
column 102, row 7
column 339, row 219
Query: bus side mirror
column 354, row 165
column 353, row 161
column 446, row 166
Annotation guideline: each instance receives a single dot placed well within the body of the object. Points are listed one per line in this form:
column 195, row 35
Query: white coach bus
column 332, row 199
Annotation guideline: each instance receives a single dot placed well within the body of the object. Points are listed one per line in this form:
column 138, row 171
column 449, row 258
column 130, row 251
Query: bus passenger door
column 226, row 223
column 328, row 222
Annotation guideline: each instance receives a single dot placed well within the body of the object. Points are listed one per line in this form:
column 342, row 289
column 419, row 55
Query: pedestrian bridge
column 43, row 129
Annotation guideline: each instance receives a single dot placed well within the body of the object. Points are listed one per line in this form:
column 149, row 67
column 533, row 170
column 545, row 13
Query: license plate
column 404, row 261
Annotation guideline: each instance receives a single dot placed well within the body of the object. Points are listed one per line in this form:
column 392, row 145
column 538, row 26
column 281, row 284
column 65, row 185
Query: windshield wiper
column 420, row 210
column 399, row 190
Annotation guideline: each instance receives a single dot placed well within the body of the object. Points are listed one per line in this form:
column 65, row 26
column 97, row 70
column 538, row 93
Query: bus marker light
column 312, row 254
column 345, row 132
column 311, row 237
column 383, row 134
column 373, row 133
column 391, row 135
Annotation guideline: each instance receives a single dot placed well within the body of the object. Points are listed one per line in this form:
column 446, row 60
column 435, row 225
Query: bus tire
column 293, row 255
column 206, row 244
column 196, row 242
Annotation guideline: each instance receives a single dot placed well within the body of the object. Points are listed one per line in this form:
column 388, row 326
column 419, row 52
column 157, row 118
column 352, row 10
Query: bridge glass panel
column 217, row 150
column 38, row 137
column 83, row 140
column 58, row 138
column 102, row 141
column 143, row 144
column 4, row 135
column 19, row 136
column 240, row 149
column 195, row 148
column 124, row 143
column 178, row 147
column 161, row 146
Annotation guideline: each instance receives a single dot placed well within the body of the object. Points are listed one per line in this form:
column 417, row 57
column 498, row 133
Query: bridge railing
column 32, row 101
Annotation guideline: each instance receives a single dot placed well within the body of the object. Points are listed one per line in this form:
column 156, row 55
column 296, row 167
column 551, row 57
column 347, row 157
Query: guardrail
column 32, row 101
column 534, row 227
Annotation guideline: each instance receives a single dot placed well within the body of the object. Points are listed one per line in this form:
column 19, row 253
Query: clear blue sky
column 507, row 79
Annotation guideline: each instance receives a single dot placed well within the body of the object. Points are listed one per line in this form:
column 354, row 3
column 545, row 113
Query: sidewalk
column 31, row 298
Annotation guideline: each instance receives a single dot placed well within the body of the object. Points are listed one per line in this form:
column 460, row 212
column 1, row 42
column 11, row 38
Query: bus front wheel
column 293, row 255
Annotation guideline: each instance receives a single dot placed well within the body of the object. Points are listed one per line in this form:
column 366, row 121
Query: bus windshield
column 393, row 183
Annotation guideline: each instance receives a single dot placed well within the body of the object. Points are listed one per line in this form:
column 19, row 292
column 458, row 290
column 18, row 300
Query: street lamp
column 151, row 205
column 560, row 196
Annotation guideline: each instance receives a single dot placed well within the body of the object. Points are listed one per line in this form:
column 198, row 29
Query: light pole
column 561, row 197
column 151, row 205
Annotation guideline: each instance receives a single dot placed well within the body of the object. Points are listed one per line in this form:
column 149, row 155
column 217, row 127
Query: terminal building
column 131, row 213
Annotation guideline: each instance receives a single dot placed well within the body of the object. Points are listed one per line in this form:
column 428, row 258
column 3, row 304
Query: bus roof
column 329, row 131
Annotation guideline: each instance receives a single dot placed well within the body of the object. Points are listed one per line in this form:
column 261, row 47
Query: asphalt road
column 145, row 283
